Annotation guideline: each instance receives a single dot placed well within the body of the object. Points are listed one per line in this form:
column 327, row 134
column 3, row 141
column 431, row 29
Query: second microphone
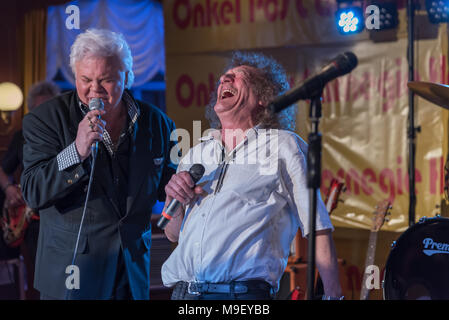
column 196, row 172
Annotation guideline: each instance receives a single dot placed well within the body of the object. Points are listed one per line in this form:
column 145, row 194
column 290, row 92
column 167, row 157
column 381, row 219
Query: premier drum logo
column 431, row 247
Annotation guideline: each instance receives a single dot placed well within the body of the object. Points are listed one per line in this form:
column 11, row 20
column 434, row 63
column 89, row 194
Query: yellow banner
column 217, row 25
column 193, row 26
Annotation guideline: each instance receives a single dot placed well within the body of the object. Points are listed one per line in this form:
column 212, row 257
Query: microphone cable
column 94, row 152
column 94, row 158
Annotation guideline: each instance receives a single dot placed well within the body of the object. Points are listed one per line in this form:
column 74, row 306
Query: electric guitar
column 382, row 210
column 14, row 222
column 333, row 194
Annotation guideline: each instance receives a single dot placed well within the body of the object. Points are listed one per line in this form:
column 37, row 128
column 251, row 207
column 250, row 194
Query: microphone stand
column 411, row 130
column 313, row 184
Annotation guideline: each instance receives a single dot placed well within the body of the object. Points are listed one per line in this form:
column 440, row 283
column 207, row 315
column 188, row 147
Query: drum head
column 418, row 265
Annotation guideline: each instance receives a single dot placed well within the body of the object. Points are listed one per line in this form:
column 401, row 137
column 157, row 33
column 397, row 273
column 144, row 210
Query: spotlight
column 350, row 20
column 388, row 15
column 438, row 11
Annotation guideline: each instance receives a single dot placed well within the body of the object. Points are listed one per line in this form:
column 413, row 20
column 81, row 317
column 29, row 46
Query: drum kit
column 417, row 267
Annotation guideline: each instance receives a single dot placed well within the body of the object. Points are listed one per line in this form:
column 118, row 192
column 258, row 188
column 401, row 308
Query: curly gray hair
column 268, row 81
column 103, row 43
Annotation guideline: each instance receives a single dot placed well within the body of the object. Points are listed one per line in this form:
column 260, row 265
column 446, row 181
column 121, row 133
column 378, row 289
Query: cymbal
column 433, row 92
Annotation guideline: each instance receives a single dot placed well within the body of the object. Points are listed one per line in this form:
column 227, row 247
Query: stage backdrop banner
column 364, row 123
column 193, row 26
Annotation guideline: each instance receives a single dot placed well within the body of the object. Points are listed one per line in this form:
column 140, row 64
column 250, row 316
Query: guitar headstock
column 333, row 194
column 382, row 210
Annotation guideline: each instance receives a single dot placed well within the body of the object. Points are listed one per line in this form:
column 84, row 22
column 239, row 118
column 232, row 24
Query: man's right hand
column 90, row 130
column 182, row 188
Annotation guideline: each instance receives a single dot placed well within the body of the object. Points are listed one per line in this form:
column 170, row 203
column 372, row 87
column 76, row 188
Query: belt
column 198, row 288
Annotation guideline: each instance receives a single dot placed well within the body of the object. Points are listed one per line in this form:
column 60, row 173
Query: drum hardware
column 417, row 265
column 436, row 93
column 424, row 219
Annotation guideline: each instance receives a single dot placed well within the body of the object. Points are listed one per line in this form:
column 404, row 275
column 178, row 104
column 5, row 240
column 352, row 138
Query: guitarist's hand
column 13, row 196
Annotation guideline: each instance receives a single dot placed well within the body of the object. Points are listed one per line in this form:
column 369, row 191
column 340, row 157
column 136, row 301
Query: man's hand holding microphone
column 90, row 129
column 180, row 191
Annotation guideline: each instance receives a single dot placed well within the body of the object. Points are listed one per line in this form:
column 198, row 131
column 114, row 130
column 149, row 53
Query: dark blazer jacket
column 60, row 197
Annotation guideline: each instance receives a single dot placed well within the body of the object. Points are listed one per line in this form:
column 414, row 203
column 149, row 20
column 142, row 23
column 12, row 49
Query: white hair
column 103, row 43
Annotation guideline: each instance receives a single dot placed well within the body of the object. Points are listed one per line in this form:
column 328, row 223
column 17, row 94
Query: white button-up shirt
column 257, row 197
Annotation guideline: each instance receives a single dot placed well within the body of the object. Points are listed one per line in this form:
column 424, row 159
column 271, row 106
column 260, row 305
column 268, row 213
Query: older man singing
column 235, row 228
column 132, row 167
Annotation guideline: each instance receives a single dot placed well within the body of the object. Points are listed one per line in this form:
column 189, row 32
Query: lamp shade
column 11, row 97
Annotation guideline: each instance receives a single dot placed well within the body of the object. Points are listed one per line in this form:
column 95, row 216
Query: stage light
column 388, row 15
column 438, row 11
column 11, row 99
column 350, row 20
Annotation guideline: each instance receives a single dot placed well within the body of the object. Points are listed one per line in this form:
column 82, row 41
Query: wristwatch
column 332, row 298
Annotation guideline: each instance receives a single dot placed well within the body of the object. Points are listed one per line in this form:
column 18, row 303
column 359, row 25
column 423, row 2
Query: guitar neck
column 371, row 252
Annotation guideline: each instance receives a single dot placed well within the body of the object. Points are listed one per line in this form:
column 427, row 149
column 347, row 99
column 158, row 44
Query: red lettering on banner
column 198, row 15
column 225, row 9
column 361, row 87
column 300, row 9
column 391, row 84
column 387, row 83
column 433, row 176
column 341, row 175
column 387, row 174
column 325, row 10
column 185, row 80
column 284, row 9
column 326, row 178
column 197, row 94
column 352, row 175
column 399, row 175
column 272, row 9
column 444, row 74
column 182, row 23
column 436, row 173
column 271, row 15
column 212, row 13
column 371, row 175
column 399, row 83
column 202, row 95
column 441, row 175
column 389, row 182
column 434, row 75
column 418, row 179
column 437, row 69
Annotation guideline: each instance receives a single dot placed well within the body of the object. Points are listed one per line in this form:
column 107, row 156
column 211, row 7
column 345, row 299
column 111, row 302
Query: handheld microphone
column 196, row 172
column 95, row 104
column 312, row 87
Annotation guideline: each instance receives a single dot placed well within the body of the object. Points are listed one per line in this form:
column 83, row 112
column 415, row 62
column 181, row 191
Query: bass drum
column 418, row 265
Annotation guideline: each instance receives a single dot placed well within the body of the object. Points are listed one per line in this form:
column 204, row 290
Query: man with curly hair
column 236, row 226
